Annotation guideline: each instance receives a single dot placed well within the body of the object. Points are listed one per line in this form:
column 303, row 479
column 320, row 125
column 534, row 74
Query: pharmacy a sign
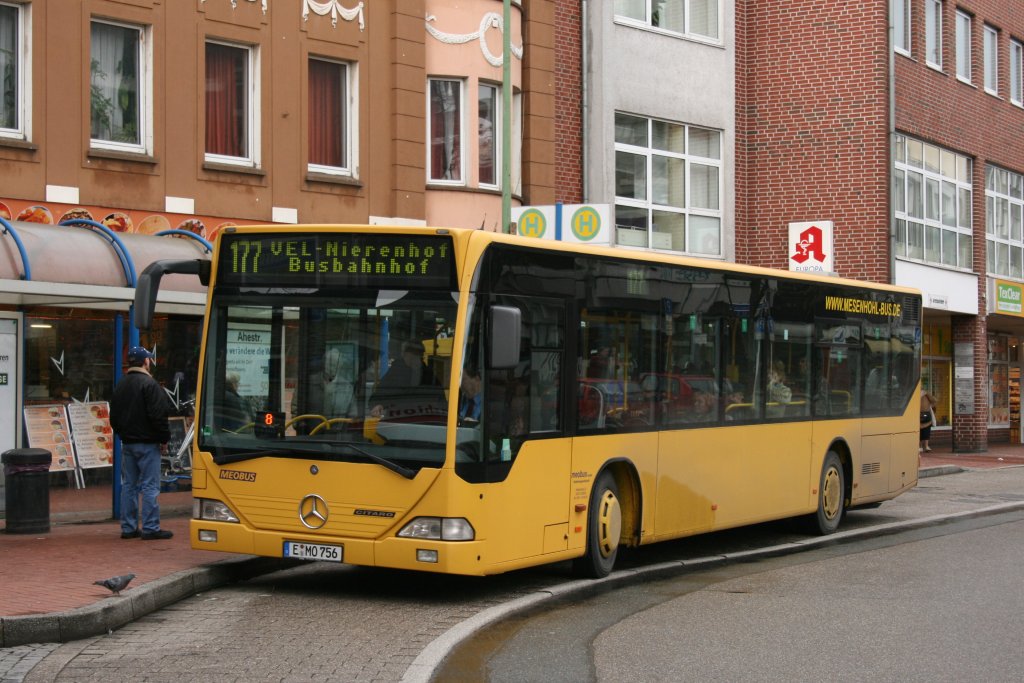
column 1008, row 298
column 810, row 247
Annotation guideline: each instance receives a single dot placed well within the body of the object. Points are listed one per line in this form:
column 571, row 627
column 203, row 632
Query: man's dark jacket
column 139, row 409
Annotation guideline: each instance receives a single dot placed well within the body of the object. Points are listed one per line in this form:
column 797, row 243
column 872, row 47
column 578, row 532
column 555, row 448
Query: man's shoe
column 131, row 534
column 158, row 535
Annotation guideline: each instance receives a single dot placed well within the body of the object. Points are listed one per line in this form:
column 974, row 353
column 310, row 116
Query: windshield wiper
column 226, row 458
column 384, row 462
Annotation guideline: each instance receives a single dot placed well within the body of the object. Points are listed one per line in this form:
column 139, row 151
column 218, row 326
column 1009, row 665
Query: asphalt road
column 936, row 604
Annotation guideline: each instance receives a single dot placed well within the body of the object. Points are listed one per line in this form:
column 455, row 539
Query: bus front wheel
column 831, row 496
column 604, row 528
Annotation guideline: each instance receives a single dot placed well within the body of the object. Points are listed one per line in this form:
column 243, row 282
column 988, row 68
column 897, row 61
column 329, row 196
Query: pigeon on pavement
column 116, row 583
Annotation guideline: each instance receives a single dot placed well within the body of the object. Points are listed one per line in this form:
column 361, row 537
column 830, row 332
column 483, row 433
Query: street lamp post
column 506, row 117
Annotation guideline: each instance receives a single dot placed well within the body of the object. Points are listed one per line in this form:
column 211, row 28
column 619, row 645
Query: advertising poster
column 249, row 358
column 47, row 427
column 93, row 437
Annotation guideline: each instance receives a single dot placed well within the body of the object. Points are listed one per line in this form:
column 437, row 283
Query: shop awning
column 83, row 267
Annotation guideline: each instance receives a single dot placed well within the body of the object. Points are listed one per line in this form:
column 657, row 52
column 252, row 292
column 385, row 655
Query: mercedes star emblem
column 313, row 511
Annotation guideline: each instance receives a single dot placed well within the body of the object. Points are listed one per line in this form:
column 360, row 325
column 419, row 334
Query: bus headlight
column 213, row 510
column 439, row 529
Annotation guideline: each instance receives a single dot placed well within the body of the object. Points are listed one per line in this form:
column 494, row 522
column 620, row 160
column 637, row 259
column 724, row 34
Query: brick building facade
column 889, row 135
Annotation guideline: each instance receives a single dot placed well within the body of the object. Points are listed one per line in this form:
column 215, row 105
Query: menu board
column 93, row 437
column 47, row 427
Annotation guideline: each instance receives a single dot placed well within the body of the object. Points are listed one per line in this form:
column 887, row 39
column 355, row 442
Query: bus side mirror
column 148, row 284
column 506, row 326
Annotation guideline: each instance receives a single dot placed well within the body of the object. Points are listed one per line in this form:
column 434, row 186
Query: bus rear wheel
column 831, row 496
column 604, row 529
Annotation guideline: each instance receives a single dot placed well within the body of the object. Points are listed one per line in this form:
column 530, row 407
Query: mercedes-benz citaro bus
column 469, row 402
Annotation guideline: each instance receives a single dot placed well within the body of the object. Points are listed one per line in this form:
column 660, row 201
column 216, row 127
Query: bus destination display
column 332, row 259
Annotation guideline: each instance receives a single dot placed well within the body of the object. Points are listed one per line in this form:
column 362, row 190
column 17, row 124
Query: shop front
column 1005, row 359
column 66, row 297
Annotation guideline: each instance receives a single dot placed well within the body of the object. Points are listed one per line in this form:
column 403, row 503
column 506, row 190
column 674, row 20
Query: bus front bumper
column 461, row 557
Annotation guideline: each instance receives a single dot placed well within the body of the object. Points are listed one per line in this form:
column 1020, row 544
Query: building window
column 118, row 87
column 445, row 133
column 1016, row 73
column 693, row 18
column 13, row 66
column 330, row 131
column 932, row 199
column 230, row 104
column 1004, row 234
column 991, row 60
column 489, row 141
column 933, row 33
column 936, row 369
column 963, row 46
column 998, row 380
column 901, row 25
column 668, row 179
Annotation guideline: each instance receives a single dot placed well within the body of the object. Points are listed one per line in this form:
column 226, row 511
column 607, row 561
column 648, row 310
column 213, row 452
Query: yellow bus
column 468, row 402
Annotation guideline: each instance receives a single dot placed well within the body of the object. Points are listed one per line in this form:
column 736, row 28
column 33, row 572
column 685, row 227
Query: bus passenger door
column 527, row 459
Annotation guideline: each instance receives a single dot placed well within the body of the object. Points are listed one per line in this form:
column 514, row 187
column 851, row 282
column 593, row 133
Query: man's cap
column 138, row 353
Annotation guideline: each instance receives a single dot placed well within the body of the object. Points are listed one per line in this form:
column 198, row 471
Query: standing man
column 138, row 414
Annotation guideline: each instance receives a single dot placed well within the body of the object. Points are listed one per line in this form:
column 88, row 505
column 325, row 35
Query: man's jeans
column 140, row 473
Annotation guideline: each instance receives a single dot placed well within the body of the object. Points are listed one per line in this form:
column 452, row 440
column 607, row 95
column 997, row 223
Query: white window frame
column 1017, row 72
column 648, row 203
column 647, row 22
column 963, row 46
column 953, row 170
column 933, row 33
column 351, row 121
column 461, row 182
column 517, row 143
column 497, row 133
column 252, row 160
column 991, row 44
column 1004, row 194
column 145, row 95
column 901, row 26
column 23, row 78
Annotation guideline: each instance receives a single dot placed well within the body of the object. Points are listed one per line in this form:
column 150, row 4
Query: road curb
column 939, row 471
column 422, row 668
column 115, row 612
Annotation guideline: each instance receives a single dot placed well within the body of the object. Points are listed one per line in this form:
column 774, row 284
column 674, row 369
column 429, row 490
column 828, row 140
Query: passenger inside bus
column 409, row 391
column 470, row 398
column 235, row 413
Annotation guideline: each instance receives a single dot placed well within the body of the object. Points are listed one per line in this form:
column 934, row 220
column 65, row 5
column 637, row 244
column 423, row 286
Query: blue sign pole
column 558, row 221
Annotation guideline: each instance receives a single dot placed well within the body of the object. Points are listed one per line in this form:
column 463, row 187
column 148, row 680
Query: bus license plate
column 313, row 551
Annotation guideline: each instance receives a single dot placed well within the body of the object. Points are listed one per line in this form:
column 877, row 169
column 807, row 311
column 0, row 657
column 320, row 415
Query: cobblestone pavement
column 315, row 622
column 16, row 662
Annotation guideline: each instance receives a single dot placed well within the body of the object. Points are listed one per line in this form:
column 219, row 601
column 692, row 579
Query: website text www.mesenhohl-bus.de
column 852, row 305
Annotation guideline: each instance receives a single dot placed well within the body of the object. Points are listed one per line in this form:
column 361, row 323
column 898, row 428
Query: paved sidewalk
column 48, row 595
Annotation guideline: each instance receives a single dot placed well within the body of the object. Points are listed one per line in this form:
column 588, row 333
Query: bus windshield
column 344, row 375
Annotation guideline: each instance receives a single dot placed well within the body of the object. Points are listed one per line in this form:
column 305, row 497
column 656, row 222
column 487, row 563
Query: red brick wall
column 568, row 102
column 812, row 121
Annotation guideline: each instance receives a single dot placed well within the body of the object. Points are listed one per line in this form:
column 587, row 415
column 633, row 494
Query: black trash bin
column 27, row 480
